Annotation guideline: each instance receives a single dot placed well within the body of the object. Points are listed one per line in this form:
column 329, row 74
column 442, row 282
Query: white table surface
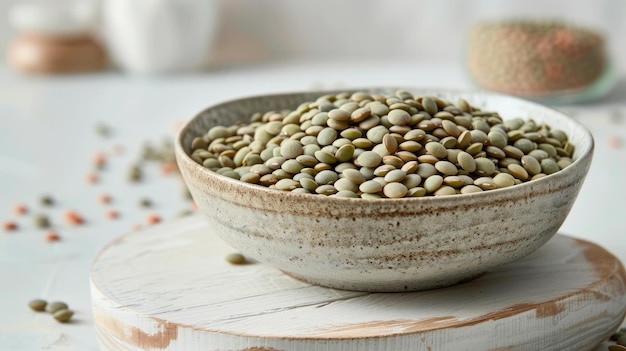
column 47, row 141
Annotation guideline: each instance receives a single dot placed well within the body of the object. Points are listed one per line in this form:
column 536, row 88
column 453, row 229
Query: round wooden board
column 169, row 288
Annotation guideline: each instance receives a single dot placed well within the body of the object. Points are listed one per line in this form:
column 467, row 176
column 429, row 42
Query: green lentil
column 469, row 189
column 414, row 146
column 145, row 202
column 347, row 194
column 549, row 166
column 370, row 187
column 56, row 306
column 518, row 171
column 369, row 159
column 445, row 190
column 412, row 180
column 63, row 316
column 395, row 175
column 395, row 190
column 433, row 183
column 485, row 167
column 436, row 149
column 474, row 149
column 46, row 200
column 135, row 174
column 38, row 305
column 466, row 161
column 485, row 183
column 504, row 180
column 446, row 168
column 42, row 221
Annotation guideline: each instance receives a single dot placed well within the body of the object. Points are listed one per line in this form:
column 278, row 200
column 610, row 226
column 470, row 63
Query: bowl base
column 386, row 287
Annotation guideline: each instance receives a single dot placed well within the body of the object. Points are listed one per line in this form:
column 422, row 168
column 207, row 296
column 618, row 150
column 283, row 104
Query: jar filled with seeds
column 542, row 52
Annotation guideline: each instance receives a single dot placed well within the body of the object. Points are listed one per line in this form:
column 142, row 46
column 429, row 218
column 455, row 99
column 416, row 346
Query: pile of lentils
column 362, row 145
column 529, row 57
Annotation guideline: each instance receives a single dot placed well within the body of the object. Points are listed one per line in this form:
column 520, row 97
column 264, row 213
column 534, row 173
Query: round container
column 387, row 244
column 159, row 36
column 542, row 52
column 54, row 39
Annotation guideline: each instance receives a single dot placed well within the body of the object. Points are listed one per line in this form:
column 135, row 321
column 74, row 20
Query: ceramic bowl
column 385, row 245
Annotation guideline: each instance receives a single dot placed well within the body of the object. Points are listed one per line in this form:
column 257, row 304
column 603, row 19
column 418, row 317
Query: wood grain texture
column 169, row 288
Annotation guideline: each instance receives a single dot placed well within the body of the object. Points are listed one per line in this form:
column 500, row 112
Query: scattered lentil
column 99, row 160
column 9, row 226
column 56, row 306
column 152, row 219
column 134, row 174
column 46, row 200
column 63, row 316
column 145, row 203
column 38, row 305
column 42, row 221
column 73, row 218
column 51, row 237
column 103, row 130
column 20, row 209
column 168, row 168
column 104, row 199
column 614, row 142
column 111, row 214
column 235, row 258
column 92, row 178
column 384, row 147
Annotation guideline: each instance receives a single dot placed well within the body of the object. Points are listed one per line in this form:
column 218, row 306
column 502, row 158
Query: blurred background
column 88, row 81
column 238, row 32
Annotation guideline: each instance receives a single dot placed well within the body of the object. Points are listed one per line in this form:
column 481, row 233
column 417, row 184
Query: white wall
column 428, row 30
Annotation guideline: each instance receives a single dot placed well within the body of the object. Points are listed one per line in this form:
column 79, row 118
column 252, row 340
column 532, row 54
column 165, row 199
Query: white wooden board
column 169, row 288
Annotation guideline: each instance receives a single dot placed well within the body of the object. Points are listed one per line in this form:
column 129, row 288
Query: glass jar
column 550, row 51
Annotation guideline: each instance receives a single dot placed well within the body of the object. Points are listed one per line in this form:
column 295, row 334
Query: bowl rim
column 525, row 187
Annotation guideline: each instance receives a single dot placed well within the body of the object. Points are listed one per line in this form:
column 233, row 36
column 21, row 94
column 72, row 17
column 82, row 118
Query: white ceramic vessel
column 159, row 36
column 385, row 245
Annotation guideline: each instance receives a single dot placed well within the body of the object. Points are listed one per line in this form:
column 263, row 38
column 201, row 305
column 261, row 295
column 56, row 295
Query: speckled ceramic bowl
column 387, row 244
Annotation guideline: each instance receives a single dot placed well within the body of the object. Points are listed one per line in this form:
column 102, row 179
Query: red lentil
column 73, row 218
column 152, row 219
column 614, row 142
column 52, row 237
column 112, row 214
column 20, row 209
column 169, row 168
column 92, row 178
column 99, row 160
column 118, row 149
column 9, row 226
column 104, row 199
